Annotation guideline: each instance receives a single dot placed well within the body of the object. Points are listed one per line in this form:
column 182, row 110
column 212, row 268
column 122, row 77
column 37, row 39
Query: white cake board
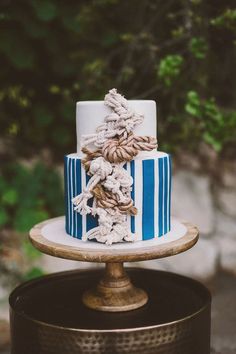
column 50, row 237
column 55, row 232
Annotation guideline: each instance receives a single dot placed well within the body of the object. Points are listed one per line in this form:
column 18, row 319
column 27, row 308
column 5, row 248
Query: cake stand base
column 48, row 316
column 115, row 292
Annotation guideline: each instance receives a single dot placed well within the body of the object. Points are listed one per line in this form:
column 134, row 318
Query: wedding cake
column 117, row 185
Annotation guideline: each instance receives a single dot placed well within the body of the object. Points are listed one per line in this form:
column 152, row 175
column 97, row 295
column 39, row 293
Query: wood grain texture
column 115, row 292
column 110, row 255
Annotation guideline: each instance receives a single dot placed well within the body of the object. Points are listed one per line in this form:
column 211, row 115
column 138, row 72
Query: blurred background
column 181, row 54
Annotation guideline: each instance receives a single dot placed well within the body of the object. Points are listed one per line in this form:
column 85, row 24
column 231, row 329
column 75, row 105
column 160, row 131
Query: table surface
column 50, row 238
column 37, row 300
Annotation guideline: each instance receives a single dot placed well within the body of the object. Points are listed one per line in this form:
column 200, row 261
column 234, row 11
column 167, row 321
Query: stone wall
column 207, row 199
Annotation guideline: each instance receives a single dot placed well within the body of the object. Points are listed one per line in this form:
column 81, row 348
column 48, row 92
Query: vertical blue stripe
column 70, row 196
column 160, row 203
column 73, row 195
column 71, row 204
column 170, row 181
column 132, row 171
column 91, row 221
column 66, row 193
column 165, row 193
column 148, row 199
column 75, row 187
column 78, row 191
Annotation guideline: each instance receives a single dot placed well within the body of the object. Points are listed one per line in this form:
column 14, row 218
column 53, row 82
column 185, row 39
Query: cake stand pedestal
column 115, row 291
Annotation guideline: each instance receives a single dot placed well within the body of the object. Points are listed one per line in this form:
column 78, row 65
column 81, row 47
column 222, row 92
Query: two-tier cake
column 117, row 185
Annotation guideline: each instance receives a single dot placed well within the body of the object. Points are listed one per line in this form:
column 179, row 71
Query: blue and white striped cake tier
column 151, row 194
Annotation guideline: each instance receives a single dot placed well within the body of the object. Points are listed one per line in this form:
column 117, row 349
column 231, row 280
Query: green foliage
column 45, row 10
column 19, row 53
column 198, row 46
column 34, row 272
column 9, row 197
column 30, row 251
column 55, row 53
column 211, row 118
column 192, row 105
column 3, row 216
column 226, row 19
column 29, row 195
column 169, row 68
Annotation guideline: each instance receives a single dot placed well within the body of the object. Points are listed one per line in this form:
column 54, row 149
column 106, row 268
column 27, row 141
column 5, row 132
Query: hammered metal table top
column 48, row 316
column 139, row 251
column 56, row 301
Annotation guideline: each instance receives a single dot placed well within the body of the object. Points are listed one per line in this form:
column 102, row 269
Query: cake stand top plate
column 50, row 238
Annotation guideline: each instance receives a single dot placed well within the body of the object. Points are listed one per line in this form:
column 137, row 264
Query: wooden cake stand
column 115, row 291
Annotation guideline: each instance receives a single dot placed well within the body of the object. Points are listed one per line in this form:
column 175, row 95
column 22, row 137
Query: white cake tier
column 91, row 114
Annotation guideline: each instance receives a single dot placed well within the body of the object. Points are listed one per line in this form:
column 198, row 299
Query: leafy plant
column 198, row 47
column 226, row 19
column 211, row 120
column 56, row 53
column 29, row 195
column 170, row 68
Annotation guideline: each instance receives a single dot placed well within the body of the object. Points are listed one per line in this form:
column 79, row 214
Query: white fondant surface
column 55, row 232
column 91, row 114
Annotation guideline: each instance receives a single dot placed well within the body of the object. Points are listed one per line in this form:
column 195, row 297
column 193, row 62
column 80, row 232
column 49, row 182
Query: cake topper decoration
column 106, row 152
